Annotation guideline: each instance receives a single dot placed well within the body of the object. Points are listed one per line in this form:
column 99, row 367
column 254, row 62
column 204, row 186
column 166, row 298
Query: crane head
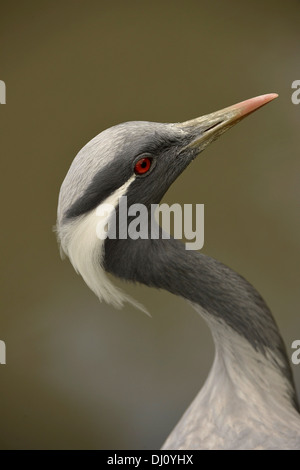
column 137, row 159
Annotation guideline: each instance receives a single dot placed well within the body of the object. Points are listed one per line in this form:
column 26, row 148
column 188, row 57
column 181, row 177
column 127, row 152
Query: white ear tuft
column 79, row 241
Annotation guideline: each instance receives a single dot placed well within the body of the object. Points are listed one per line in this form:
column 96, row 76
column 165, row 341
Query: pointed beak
column 206, row 129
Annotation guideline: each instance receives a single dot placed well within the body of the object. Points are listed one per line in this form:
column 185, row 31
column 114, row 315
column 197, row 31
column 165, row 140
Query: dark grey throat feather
column 218, row 290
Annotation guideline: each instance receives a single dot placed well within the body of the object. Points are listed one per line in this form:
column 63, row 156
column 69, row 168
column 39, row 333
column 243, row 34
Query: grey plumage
column 249, row 400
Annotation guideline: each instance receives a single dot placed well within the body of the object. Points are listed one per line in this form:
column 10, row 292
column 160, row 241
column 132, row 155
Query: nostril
column 213, row 126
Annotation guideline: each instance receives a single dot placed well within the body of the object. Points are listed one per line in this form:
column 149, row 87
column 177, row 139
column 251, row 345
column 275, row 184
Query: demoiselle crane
column 248, row 400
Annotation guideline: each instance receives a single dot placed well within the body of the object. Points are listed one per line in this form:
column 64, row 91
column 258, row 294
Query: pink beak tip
column 248, row 106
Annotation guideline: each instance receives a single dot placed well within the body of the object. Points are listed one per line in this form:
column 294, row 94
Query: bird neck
column 258, row 380
column 247, row 340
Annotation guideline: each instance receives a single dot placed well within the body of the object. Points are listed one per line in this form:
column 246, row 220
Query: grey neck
column 225, row 297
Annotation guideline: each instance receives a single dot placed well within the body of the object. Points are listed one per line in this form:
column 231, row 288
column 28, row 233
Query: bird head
column 137, row 159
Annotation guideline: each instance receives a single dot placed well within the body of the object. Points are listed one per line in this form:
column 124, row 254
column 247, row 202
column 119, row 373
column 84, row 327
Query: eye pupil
column 142, row 166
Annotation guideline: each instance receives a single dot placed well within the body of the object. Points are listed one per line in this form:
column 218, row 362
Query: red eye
column 142, row 166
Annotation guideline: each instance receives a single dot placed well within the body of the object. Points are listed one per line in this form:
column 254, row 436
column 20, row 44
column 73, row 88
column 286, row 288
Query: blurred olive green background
column 80, row 374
